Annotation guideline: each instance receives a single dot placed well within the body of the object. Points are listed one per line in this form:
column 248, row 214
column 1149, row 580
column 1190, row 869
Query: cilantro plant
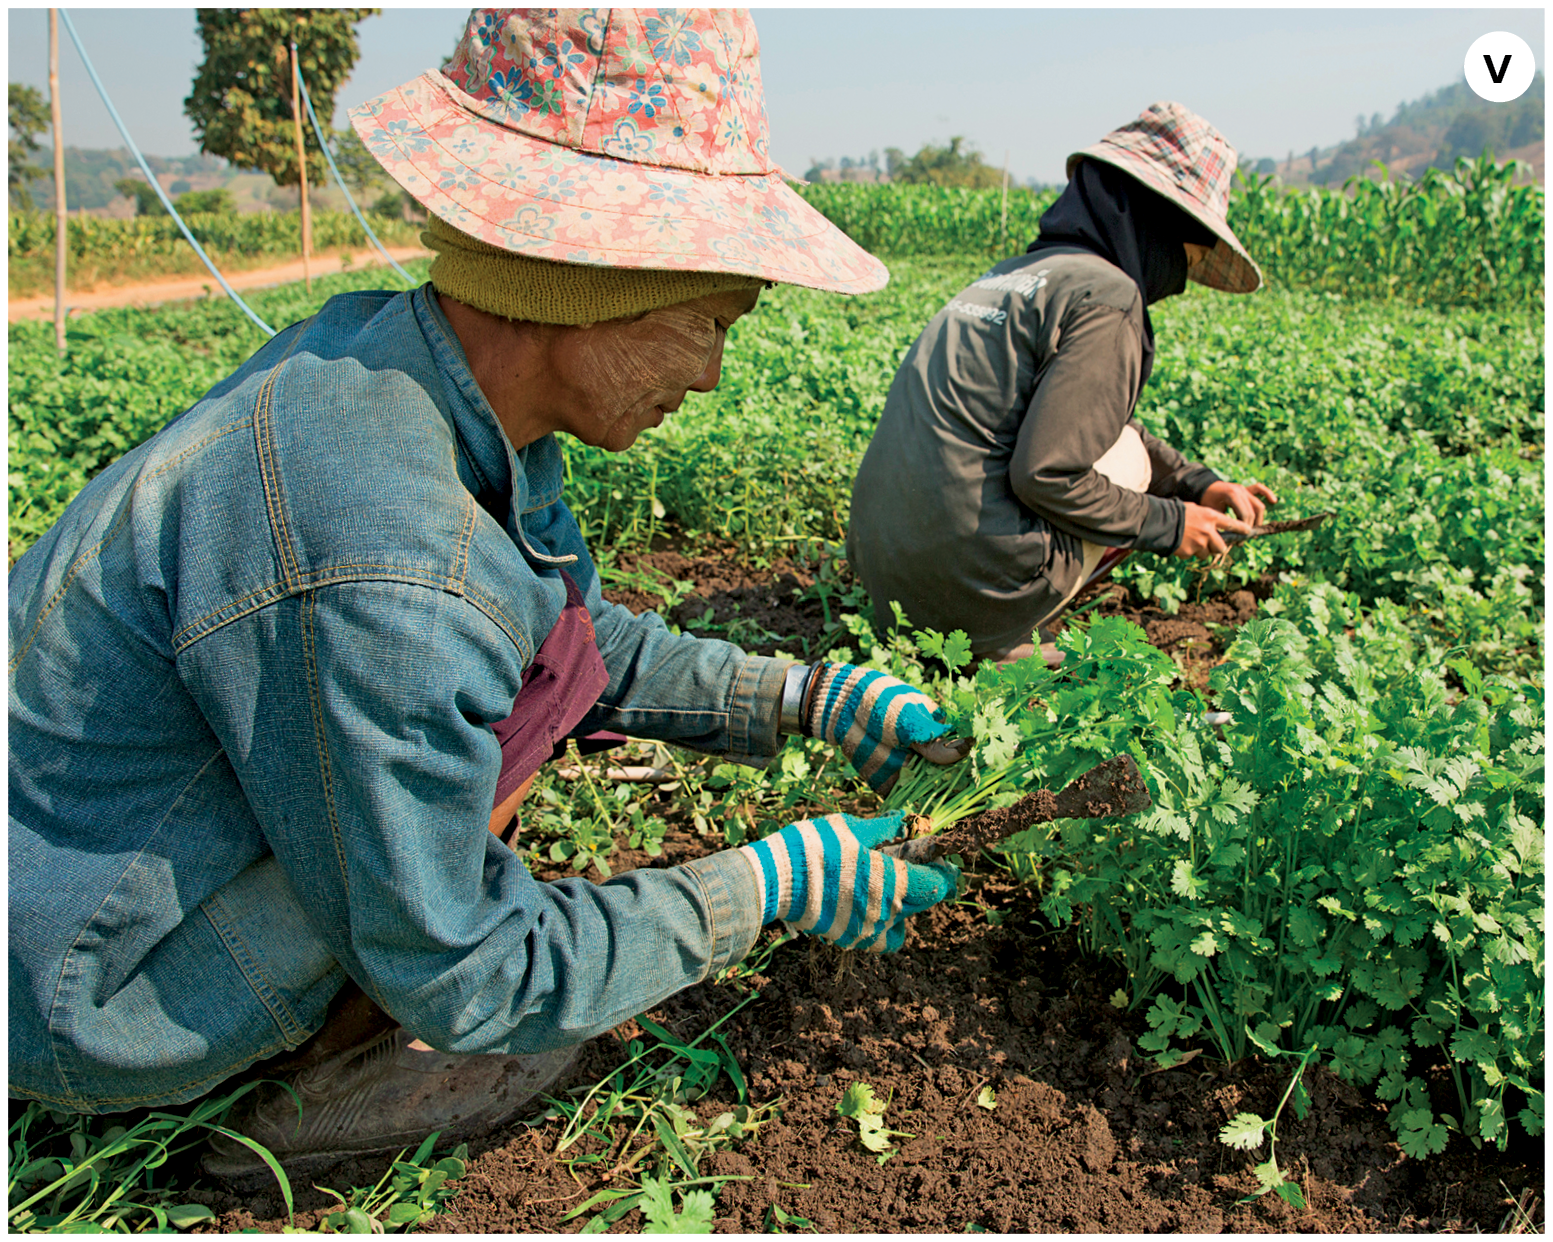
column 1353, row 865
column 1245, row 1131
column 860, row 1105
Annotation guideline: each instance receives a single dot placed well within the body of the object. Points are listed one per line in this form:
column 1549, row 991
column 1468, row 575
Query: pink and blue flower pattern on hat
column 1176, row 153
column 631, row 137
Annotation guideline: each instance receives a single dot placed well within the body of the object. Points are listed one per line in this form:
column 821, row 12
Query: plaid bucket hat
column 629, row 138
column 1179, row 155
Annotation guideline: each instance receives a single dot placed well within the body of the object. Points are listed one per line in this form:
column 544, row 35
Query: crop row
column 279, row 233
column 1349, row 870
column 1352, row 867
column 1422, row 430
column 1464, row 238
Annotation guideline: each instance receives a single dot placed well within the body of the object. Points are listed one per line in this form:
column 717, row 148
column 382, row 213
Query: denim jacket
column 254, row 673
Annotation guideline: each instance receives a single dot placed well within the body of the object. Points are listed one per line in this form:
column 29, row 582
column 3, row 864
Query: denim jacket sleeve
column 700, row 693
column 357, row 718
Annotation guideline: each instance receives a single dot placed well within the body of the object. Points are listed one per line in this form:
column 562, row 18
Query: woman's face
column 620, row 377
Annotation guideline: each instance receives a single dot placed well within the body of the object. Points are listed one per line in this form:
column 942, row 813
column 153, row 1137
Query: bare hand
column 1244, row 499
column 1200, row 534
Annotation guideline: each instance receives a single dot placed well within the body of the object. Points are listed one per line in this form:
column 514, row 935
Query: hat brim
column 1229, row 266
column 555, row 202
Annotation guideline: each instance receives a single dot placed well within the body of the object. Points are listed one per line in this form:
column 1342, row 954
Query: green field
column 1421, row 428
column 147, row 247
column 1353, row 870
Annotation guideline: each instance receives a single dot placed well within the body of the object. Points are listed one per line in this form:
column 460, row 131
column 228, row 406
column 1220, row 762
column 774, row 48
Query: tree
column 949, row 165
column 1528, row 126
column 217, row 202
column 241, row 100
column 29, row 119
column 146, row 201
column 1469, row 136
column 358, row 166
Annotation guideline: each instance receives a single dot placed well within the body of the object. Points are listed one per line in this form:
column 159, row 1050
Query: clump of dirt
column 1114, row 787
column 987, row 829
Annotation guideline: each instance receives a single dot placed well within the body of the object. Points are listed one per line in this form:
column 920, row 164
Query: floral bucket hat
column 615, row 137
column 1179, row 155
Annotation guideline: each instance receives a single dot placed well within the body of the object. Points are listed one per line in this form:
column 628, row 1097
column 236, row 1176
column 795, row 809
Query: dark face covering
column 1105, row 211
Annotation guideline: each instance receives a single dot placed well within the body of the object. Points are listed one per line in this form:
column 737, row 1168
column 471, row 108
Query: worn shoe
column 378, row 1099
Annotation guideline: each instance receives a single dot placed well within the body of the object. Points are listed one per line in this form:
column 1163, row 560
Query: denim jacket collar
column 530, row 478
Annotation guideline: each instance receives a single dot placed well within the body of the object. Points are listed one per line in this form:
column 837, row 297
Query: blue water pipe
column 312, row 116
column 64, row 16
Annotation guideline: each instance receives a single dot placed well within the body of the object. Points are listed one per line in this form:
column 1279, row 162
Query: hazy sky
column 1035, row 83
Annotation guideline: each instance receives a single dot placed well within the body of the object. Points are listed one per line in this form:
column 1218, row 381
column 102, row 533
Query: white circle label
column 1500, row 66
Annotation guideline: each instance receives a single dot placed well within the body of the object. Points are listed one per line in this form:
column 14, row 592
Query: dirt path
column 184, row 288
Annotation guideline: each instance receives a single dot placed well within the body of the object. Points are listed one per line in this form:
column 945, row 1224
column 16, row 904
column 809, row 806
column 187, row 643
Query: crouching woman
column 280, row 675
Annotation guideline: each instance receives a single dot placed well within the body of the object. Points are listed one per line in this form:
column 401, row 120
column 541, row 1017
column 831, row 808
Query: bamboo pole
column 307, row 220
column 60, row 238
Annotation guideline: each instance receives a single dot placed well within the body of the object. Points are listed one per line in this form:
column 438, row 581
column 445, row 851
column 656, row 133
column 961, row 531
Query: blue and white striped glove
column 826, row 877
column 875, row 719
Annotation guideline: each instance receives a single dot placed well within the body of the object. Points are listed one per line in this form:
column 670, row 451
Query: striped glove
column 874, row 718
column 826, row 877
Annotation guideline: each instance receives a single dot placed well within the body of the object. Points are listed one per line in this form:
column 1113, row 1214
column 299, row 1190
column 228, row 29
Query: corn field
column 1464, row 238
column 1468, row 237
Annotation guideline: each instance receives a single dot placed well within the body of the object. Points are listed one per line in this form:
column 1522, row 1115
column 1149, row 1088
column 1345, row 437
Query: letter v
column 1503, row 68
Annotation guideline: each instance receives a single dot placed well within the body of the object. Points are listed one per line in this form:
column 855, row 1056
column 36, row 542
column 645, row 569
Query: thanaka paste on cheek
column 658, row 356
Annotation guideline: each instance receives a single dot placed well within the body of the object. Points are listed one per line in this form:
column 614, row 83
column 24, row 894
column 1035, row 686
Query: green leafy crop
column 1352, row 865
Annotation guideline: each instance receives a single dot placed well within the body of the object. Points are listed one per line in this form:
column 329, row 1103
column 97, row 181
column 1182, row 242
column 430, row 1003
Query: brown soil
column 1084, row 1133
column 762, row 609
column 766, row 609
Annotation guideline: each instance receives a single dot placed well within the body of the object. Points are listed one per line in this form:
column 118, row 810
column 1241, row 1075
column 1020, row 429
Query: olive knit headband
column 516, row 286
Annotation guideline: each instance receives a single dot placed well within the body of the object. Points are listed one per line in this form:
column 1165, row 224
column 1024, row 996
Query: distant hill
column 90, row 174
column 1431, row 132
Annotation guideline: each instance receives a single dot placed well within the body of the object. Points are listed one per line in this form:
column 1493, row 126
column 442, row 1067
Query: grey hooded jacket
column 978, row 486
